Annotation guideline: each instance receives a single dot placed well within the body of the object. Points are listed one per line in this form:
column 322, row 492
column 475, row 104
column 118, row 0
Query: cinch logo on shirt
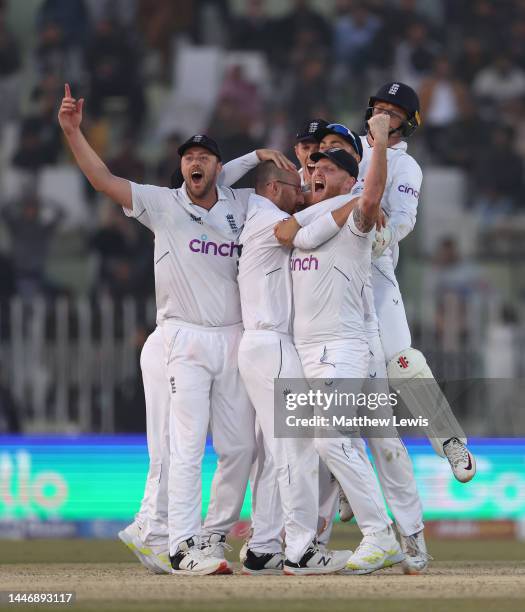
column 225, row 249
column 409, row 190
column 304, row 263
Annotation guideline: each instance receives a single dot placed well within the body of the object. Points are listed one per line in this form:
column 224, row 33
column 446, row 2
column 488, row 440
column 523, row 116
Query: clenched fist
column 379, row 126
column 70, row 113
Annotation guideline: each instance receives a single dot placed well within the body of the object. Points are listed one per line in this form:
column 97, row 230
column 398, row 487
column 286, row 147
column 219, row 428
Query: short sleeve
column 147, row 203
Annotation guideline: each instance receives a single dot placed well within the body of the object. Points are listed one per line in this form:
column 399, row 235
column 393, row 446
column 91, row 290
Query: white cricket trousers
column 391, row 459
column 265, row 355
column 390, row 310
column 346, row 457
column 153, row 514
column 206, row 389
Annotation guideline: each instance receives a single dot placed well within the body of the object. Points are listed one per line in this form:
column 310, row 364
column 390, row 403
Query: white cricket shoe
column 416, row 555
column 461, row 459
column 317, row 560
column 192, row 560
column 154, row 559
column 375, row 552
column 215, row 546
column 345, row 509
column 263, row 564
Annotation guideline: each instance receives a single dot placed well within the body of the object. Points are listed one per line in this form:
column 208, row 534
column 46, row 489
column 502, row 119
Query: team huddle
column 294, row 279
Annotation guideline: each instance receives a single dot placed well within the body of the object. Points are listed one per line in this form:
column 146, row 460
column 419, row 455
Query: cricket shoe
column 461, row 459
column 345, row 509
column 375, row 552
column 153, row 558
column 263, row 564
column 215, row 545
column 416, row 556
column 192, row 560
column 317, row 560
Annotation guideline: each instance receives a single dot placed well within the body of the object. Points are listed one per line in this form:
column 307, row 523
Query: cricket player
column 330, row 335
column 399, row 204
column 147, row 535
column 195, row 240
column 306, row 143
column 391, row 460
column 267, row 352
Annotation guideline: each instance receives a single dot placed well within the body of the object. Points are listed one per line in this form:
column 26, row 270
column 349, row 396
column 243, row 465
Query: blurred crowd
column 466, row 58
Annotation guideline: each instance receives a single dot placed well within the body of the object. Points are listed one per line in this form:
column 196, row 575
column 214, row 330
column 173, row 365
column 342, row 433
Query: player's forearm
column 375, row 180
column 401, row 224
column 340, row 215
column 317, row 232
column 96, row 171
column 235, row 169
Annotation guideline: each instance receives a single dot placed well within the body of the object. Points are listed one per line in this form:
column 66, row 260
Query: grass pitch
column 466, row 576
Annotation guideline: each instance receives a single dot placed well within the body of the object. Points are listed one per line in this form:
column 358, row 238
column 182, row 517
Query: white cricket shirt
column 328, row 283
column 196, row 252
column 400, row 197
column 264, row 278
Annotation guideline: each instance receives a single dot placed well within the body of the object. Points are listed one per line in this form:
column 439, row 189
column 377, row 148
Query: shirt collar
column 401, row 145
column 256, row 202
column 221, row 195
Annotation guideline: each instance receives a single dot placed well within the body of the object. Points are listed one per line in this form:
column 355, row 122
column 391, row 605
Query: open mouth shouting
column 319, row 185
column 197, row 177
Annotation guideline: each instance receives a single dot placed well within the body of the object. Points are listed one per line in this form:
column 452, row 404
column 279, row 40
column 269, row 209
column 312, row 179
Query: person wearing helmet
column 404, row 363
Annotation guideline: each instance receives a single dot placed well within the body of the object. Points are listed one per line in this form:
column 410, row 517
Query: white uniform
column 330, row 336
column 152, row 517
column 267, row 352
column 198, row 308
column 399, row 202
column 391, row 459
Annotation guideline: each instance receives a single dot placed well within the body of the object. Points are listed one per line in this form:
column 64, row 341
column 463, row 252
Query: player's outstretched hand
column 286, row 230
column 280, row 160
column 379, row 126
column 70, row 113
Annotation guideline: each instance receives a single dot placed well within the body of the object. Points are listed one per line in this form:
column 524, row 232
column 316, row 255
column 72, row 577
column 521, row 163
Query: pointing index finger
column 67, row 90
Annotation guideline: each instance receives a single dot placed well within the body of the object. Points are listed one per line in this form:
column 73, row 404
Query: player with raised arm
column 195, row 228
column 399, row 204
column 329, row 328
column 267, row 352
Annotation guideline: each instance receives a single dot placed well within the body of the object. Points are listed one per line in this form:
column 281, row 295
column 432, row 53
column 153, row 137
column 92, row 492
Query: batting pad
column 412, row 379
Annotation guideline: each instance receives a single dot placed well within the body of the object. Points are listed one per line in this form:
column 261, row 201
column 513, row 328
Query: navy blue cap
column 201, row 140
column 341, row 158
column 310, row 130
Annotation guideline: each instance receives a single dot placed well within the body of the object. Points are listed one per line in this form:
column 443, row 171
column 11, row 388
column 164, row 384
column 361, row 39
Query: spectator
column 69, row 16
column 472, row 59
column 415, row 54
column 125, row 253
column 9, row 71
column 242, row 94
column 31, row 228
column 498, row 83
column 499, row 170
column 109, row 56
column 169, row 162
column 309, row 88
column 40, row 141
column 301, row 17
column 354, row 31
column 127, row 162
column 444, row 100
column 253, row 31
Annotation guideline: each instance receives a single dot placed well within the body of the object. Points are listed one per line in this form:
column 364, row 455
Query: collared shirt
column 196, row 252
column 264, row 270
column 400, row 197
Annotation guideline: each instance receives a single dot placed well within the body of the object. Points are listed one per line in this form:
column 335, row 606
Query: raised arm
column 366, row 209
column 94, row 169
column 235, row 169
